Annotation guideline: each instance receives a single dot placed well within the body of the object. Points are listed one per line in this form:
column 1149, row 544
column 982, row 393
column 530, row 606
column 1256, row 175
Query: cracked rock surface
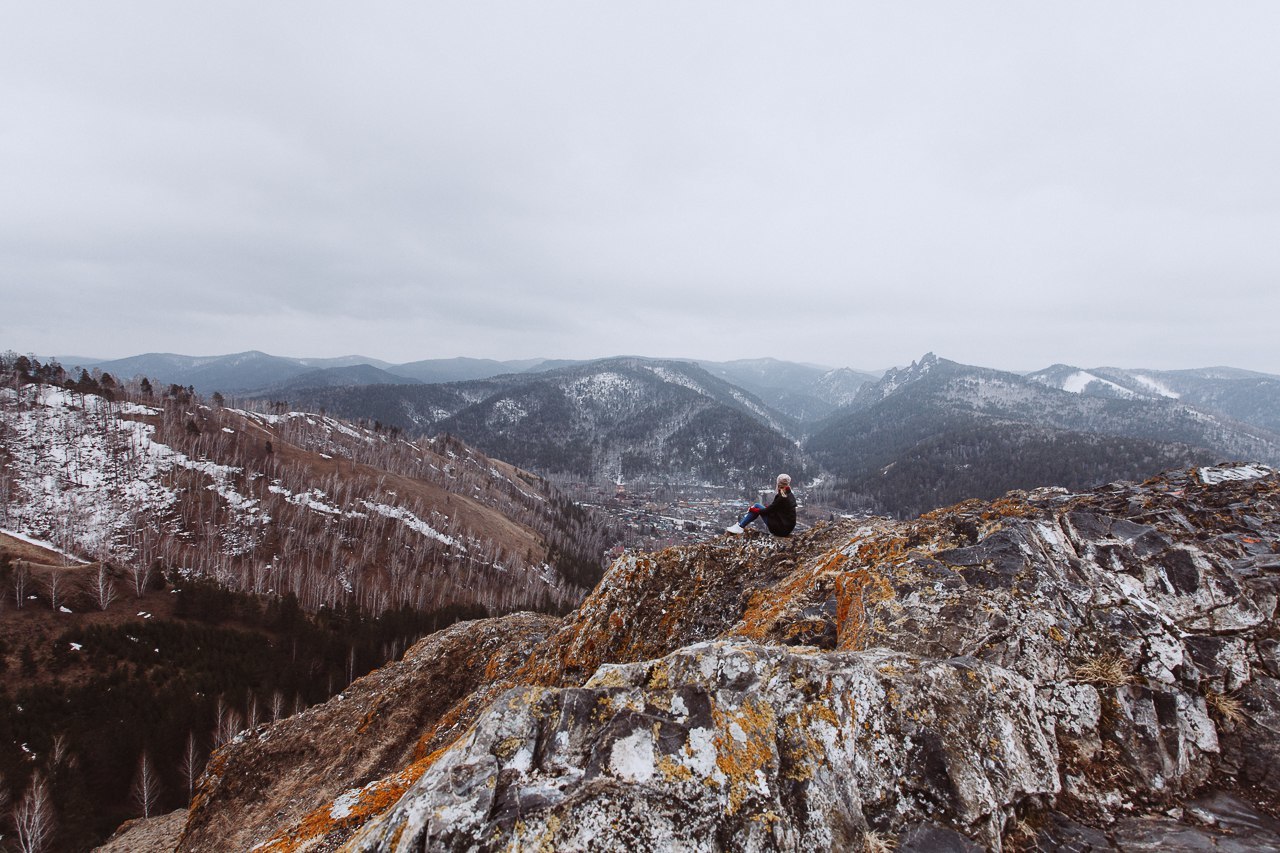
column 1045, row 671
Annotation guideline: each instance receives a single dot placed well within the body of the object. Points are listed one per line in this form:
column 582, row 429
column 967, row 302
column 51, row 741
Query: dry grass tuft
column 1109, row 669
column 875, row 842
column 1229, row 708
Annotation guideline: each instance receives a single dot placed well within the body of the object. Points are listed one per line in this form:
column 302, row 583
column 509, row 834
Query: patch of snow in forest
column 1077, row 382
column 666, row 374
column 85, row 474
column 607, row 387
column 1156, row 385
column 138, row 410
column 508, row 413
column 412, row 522
column 313, row 499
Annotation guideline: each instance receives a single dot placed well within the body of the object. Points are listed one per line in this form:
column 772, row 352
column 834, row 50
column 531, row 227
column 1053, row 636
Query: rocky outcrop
column 284, row 779
column 1094, row 671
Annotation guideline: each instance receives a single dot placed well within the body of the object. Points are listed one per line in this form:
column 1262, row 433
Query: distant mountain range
column 916, row 437
column 627, row 418
column 804, row 391
column 938, row 431
column 256, row 372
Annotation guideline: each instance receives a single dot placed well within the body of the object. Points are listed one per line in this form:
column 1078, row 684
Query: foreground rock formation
column 1052, row 671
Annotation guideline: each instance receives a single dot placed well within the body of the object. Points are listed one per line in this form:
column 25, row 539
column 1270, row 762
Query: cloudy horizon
column 1004, row 184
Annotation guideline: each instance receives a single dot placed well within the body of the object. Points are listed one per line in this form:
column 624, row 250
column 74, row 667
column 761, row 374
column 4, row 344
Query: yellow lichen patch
column 672, row 769
column 856, row 593
column 1056, row 634
column 546, row 841
column 804, row 752
column 507, row 748
column 803, row 627
column 659, row 677
column 744, row 741
column 768, row 608
column 608, row 678
column 1010, row 507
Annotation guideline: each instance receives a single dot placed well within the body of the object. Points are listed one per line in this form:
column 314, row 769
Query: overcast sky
column 852, row 184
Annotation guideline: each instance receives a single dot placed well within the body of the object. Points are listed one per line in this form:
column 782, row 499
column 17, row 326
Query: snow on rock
column 1212, row 476
column 938, row 676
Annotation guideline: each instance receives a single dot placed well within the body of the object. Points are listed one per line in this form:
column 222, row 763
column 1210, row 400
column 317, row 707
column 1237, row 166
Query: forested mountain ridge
column 1242, row 395
column 938, row 431
column 285, row 501
column 629, row 417
column 804, row 392
column 922, row 435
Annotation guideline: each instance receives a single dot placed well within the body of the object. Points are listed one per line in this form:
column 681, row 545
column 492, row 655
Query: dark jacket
column 780, row 514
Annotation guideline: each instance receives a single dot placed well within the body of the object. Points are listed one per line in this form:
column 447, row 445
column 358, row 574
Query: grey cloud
column 863, row 182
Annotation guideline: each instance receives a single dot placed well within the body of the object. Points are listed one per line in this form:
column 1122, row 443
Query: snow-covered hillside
column 282, row 501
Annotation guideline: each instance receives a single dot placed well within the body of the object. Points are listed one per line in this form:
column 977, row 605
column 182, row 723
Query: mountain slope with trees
column 939, row 431
column 181, row 569
column 665, row 421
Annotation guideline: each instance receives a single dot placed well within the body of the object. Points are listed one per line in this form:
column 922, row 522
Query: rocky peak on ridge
column 1094, row 671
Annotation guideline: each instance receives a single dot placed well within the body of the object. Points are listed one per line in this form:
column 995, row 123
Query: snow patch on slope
column 1077, row 382
column 1155, row 385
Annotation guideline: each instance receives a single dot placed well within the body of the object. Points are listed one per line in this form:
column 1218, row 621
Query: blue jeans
column 752, row 515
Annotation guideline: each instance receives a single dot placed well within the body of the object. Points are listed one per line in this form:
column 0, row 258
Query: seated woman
column 779, row 516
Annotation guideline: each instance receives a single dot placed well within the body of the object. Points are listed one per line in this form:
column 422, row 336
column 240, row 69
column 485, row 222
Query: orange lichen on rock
column 856, row 592
column 350, row 811
column 745, row 752
column 769, row 608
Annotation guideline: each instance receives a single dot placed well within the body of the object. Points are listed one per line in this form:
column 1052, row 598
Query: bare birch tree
column 21, row 578
column 145, row 791
column 33, row 818
column 228, row 725
column 53, row 585
column 191, row 766
column 104, row 589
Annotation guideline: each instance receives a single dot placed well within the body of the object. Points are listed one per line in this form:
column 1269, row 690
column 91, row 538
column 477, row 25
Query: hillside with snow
column 938, row 431
column 641, row 419
column 269, row 502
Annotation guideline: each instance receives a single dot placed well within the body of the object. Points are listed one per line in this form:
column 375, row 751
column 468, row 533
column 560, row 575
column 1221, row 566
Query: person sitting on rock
column 779, row 516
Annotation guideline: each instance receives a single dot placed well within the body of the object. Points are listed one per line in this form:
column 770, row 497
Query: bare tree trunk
column 229, row 723
column 192, row 766
column 104, row 589
column 146, row 786
column 33, row 817
column 21, row 578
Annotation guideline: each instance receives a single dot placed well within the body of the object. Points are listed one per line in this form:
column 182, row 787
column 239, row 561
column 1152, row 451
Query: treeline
column 116, row 721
